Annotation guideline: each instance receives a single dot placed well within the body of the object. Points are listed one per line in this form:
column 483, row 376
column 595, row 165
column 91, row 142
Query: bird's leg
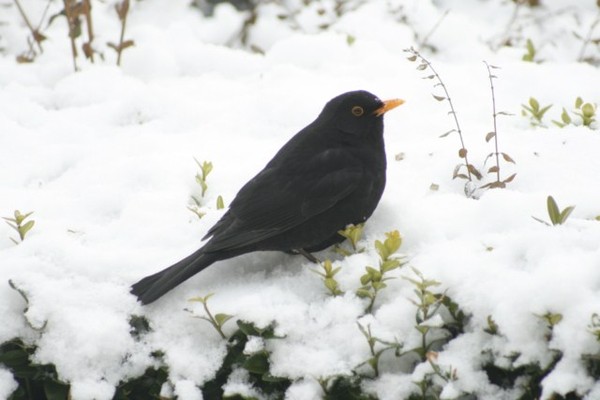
column 308, row 256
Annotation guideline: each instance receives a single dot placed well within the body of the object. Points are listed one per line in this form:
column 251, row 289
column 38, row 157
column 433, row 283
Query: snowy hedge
column 451, row 290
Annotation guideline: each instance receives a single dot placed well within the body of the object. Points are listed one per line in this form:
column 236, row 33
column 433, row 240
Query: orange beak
column 387, row 106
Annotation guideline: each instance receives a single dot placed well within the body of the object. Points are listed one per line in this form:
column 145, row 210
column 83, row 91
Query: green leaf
column 220, row 203
column 257, row 363
column 535, row 106
column 565, row 213
column 365, row 279
column 331, row 284
column 56, row 390
column 389, row 265
column 543, row 111
column 588, row 110
column 553, row 211
column 222, row 318
column 364, row 293
column 578, row 102
column 381, row 250
column 202, row 300
column 26, row 228
column 392, row 242
column 565, row 117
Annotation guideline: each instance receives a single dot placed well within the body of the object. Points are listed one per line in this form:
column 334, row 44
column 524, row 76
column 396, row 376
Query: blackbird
column 329, row 175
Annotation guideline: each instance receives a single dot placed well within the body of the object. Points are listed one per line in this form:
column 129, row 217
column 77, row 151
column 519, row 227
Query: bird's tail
column 154, row 286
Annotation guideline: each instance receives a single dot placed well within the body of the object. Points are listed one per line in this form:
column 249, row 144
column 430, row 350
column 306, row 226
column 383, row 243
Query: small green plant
column 218, row 320
column 328, row 276
column 495, row 169
column 430, row 387
column 205, row 169
column 377, row 347
column 557, row 217
column 551, row 320
column 535, row 112
column 585, row 111
column 530, row 54
column 374, row 279
column 492, row 326
column 428, row 304
column 18, row 224
column 353, row 234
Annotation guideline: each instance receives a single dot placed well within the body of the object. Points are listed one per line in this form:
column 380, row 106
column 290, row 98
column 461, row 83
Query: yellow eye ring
column 358, row 111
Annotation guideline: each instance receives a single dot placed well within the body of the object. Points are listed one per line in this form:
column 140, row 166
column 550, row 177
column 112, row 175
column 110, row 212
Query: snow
column 104, row 158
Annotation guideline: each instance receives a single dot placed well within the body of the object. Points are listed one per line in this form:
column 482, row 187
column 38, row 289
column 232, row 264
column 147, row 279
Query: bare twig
column 122, row 11
column 35, row 33
column 494, row 116
column 423, row 42
column 87, row 47
column 71, row 21
column 494, row 135
column 588, row 37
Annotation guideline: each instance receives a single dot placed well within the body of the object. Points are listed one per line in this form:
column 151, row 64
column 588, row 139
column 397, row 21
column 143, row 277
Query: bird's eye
column 358, row 111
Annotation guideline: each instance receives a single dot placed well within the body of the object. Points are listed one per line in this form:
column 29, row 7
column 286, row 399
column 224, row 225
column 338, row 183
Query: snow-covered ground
column 105, row 159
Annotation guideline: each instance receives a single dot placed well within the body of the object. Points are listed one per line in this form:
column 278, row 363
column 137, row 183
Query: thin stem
column 70, row 21
column 90, row 29
column 452, row 110
column 494, row 115
column 513, row 18
column 31, row 28
column 213, row 321
column 423, row 42
column 122, row 37
column 588, row 37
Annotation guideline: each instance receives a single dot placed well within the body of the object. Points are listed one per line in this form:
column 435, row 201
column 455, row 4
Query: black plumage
column 329, row 175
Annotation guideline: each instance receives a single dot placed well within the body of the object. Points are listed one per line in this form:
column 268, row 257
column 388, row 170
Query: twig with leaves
column 35, row 32
column 374, row 279
column 376, row 352
column 18, row 224
column 122, row 9
column 462, row 152
column 218, row 320
column 36, row 36
column 498, row 183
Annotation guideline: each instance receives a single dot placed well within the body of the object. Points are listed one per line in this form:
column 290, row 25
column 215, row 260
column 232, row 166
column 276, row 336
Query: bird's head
column 358, row 113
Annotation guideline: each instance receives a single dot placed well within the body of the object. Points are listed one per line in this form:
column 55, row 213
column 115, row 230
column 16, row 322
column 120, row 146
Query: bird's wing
column 277, row 200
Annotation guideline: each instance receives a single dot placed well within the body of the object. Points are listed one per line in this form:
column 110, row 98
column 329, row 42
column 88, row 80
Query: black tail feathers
column 155, row 286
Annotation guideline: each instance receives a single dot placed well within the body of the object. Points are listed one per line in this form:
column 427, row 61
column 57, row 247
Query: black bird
column 329, row 175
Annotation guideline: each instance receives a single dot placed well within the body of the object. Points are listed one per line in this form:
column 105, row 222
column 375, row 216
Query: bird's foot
column 308, row 256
